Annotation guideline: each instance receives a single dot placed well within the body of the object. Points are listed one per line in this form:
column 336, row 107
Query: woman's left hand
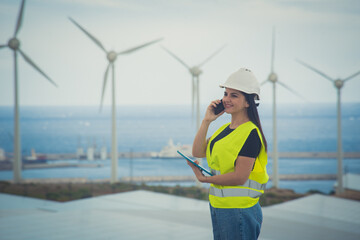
column 199, row 175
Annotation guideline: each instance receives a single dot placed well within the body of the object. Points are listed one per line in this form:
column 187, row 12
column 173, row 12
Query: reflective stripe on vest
column 249, row 183
column 234, row 192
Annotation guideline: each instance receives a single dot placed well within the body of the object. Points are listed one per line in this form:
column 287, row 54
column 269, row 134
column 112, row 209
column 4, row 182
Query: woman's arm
column 200, row 143
column 240, row 175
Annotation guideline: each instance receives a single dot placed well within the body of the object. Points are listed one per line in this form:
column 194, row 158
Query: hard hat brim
column 257, row 97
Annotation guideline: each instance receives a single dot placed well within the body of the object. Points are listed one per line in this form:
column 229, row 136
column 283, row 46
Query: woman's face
column 234, row 101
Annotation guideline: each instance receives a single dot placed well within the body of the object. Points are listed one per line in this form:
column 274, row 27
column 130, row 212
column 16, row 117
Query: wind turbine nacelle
column 14, row 44
column 111, row 56
column 195, row 71
column 339, row 83
column 273, row 77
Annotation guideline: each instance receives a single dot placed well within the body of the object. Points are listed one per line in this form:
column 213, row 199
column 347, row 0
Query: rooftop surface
column 147, row 215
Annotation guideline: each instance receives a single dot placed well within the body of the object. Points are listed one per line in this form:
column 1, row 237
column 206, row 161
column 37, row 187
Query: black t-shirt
column 251, row 147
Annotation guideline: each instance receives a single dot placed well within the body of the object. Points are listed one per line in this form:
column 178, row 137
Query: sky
column 322, row 33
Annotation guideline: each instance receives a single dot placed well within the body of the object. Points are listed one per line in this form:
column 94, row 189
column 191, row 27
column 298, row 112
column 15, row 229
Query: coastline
column 64, row 192
column 129, row 155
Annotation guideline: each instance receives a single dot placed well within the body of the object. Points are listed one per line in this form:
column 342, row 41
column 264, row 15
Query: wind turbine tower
column 338, row 83
column 273, row 78
column 195, row 72
column 14, row 44
column 111, row 57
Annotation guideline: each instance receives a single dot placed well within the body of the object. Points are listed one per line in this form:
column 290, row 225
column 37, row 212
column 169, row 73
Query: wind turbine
column 338, row 83
column 195, row 72
column 273, row 78
column 14, row 44
column 111, row 56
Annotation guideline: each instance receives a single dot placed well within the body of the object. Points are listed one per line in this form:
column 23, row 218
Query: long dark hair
column 254, row 115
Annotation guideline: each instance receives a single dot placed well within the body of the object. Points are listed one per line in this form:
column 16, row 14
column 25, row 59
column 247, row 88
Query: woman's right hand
column 210, row 115
column 200, row 143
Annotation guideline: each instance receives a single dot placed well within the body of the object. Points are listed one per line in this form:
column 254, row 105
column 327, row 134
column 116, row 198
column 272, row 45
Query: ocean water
column 301, row 128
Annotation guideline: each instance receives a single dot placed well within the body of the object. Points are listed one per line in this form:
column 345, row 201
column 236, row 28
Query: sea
column 306, row 127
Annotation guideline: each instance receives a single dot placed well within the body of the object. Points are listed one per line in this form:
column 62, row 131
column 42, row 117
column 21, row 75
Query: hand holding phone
column 219, row 108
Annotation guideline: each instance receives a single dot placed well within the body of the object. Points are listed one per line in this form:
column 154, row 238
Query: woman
column 236, row 155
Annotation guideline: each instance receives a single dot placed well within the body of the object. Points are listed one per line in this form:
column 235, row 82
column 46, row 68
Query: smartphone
column 219, row 108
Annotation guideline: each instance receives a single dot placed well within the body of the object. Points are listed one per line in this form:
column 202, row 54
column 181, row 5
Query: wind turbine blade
column 97, row 42
column 104, row 86
column 138, row 47
column 352, row 76
column 264, row 82
column 27, row 59
column 1, row 46
column 19, row 20
column 206, row 60
column 315, row 70
column 177, row 58
column 273, row 50
column 291, row 90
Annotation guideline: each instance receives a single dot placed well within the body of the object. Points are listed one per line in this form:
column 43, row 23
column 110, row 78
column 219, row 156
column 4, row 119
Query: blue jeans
column 236, row 223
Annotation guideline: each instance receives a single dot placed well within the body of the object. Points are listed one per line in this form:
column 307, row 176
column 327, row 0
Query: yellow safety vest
column 222, row 160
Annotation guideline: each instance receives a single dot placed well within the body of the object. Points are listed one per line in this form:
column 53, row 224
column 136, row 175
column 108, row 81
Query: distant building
column 80, row 153
column 2, row 155
column 90, row 153
column 103, row 153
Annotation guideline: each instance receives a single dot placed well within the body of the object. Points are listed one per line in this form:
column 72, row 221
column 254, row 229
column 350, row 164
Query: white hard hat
column 244, row 81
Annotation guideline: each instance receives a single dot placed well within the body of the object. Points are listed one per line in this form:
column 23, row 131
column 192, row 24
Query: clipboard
column 197, row 165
